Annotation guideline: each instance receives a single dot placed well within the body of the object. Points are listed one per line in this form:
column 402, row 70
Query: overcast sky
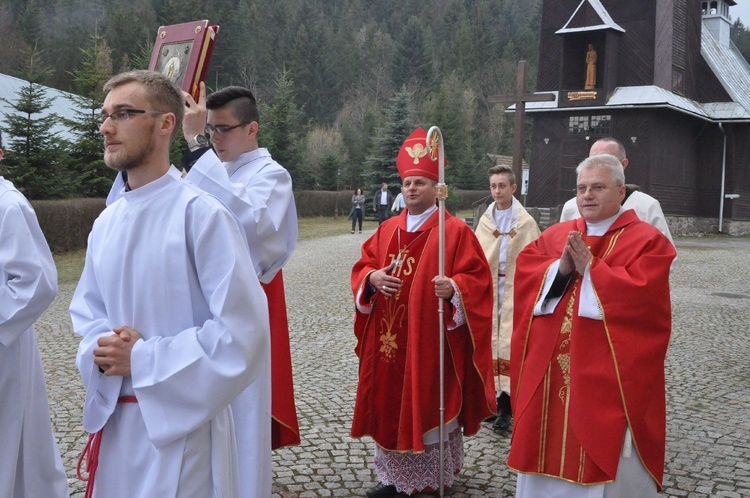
column 742, row 11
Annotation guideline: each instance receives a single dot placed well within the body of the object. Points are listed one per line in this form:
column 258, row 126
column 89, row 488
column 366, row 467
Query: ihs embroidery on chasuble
column 394, row 312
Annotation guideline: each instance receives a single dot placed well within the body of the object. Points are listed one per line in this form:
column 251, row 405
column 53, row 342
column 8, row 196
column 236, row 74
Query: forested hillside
column 327, row 72
column 334, row 78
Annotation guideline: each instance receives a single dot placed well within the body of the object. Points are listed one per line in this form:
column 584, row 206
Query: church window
column 600, row 124
column 577, row 125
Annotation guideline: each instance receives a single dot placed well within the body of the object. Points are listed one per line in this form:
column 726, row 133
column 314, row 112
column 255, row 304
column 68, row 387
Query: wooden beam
column 519, row 99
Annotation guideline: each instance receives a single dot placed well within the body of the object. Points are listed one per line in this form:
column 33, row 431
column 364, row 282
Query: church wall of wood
column 635, row 52
column 692, row 75
column 675, row 157
column 637, row 56
column 548, row 160
column 673, row 162
column 684, row 174
column 668, row 44
column 738, row 171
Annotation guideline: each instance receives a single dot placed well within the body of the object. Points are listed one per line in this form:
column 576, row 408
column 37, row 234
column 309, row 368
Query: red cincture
column 90, row 454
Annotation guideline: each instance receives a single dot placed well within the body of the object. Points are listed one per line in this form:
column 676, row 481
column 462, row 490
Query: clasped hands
column 113, row 354
column 388, row 285
column 575, row 256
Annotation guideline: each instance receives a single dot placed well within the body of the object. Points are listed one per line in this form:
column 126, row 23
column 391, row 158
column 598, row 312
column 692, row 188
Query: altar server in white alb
column 30, row 463
column 173, row 320
column 503, row 231
column 258, row 191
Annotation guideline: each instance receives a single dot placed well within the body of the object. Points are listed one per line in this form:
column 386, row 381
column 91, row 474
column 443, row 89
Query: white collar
column 414, row 221
column 600, row 227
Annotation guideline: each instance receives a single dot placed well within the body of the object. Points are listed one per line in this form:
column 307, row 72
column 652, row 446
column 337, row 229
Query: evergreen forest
column 340, row 83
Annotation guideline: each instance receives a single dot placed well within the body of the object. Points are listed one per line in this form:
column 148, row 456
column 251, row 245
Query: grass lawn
column 70, row 265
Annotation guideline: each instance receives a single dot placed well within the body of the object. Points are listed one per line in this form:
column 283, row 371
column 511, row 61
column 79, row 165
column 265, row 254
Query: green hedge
column 66, row 223
column 323, row 203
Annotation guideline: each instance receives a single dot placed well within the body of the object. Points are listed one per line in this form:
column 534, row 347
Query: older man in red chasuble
column 591, row 328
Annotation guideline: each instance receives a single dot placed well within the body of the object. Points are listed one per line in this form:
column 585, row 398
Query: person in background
column 398, row 203
column 646, row 207
column 381, row 202
column 258, row 192
column 358, row 206
column 30, row 463
column 503, row 230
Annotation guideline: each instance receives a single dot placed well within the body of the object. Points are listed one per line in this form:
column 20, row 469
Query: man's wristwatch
column 197, row 142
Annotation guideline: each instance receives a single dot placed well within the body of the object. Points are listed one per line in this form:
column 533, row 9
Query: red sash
column 90, row 454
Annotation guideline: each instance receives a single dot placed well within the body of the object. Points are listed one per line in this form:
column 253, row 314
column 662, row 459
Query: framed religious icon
column 182, row 52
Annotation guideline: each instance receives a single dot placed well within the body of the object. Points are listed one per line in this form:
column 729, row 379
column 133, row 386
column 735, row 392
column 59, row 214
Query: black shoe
column 503, row 422
column 381, row 491
column 504, row 419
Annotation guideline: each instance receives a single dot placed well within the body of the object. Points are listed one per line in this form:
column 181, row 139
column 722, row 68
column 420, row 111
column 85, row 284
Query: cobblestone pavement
column 708, row 378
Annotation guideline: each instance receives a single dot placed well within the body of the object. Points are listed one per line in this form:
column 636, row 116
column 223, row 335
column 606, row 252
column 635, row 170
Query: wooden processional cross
column 520, row 99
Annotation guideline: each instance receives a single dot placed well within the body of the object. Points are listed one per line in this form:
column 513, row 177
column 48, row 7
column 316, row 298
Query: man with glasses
column 30, row 463
column 173, row 319
column 646, row 207
column 258, row 190
column 591, row 330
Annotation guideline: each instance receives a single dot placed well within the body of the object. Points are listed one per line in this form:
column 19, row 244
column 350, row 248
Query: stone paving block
column 707, row 373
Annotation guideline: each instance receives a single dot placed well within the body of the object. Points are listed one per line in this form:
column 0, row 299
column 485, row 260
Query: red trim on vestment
column 284, row 424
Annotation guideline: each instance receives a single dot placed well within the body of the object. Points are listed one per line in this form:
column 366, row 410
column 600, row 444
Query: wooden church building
column 665, row 79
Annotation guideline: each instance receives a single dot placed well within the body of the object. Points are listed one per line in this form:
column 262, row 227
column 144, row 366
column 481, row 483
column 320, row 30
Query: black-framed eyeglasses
column 124, row 115
column 222, row 129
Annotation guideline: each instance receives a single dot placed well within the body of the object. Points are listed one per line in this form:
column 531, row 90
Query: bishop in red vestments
column 396, row 292
column 592, row 326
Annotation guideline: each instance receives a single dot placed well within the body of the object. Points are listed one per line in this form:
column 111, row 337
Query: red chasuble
column 284, row 427
column 398, row 391
column 577, row 382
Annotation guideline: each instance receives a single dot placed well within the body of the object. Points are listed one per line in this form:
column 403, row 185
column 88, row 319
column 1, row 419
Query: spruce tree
column 93, row 178
column 281, row 130
column 381, row 162
column 36, row 159
column 330, row 171
column 412, row 63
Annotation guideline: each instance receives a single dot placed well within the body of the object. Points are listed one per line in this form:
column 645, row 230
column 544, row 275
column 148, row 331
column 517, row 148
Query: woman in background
column 358, row 202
